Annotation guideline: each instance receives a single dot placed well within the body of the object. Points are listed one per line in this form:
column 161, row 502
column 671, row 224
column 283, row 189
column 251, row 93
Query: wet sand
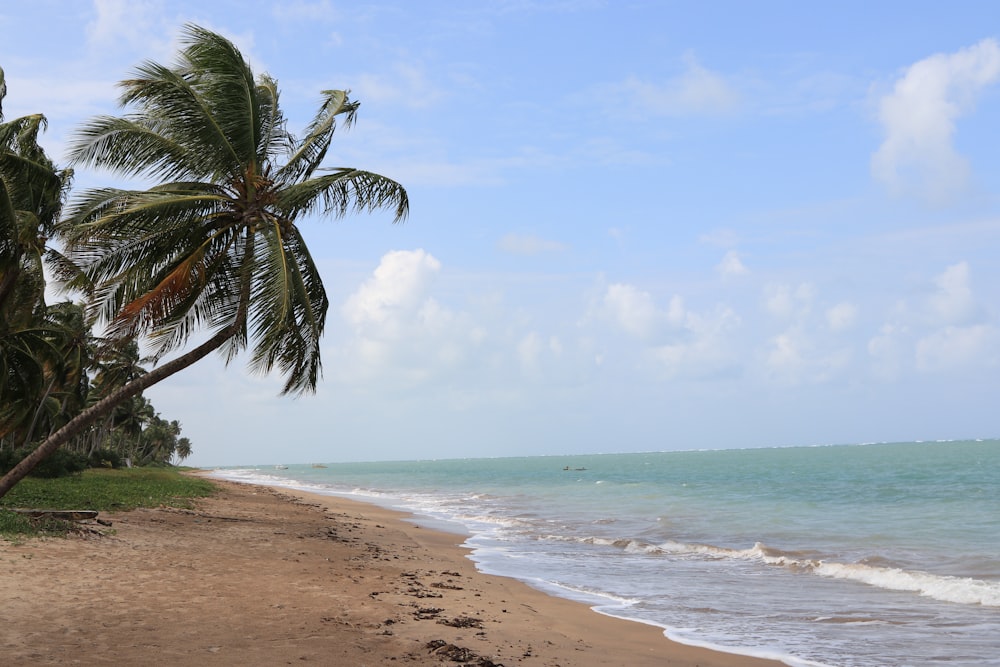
column 260, row 576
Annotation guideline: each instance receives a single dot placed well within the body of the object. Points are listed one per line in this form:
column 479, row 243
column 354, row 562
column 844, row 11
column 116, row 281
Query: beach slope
column 258, row 576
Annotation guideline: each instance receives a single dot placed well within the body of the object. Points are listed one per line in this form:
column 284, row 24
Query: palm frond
column 67, row 272
column 291, row 305
column 21, row 134
column 311, row 151
column 342, row 192
column 9, row 254
column 226, row 86
column 275, row 139
column 132, row 146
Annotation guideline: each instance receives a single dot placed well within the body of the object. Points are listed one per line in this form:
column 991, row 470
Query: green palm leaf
column 216, row 245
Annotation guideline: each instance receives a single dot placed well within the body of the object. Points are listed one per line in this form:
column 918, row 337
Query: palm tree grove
column 210, row 250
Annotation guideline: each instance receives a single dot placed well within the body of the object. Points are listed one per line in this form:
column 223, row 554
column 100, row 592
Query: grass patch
column 15, row 527
column 97, row 489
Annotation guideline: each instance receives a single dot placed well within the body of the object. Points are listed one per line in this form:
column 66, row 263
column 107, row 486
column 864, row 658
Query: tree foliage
column 213, row 247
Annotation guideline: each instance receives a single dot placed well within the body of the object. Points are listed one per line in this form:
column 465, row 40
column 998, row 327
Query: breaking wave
column 958, row 590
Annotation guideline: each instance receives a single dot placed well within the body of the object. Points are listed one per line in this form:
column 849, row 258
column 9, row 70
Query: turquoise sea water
column 850, row 556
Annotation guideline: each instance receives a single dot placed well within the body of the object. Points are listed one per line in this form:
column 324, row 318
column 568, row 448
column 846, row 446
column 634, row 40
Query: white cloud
column 394, row 294
column 402, row 337
column 785, row 301
column 842, row 316
column 952, row 301
column 946, row 330
column 785, row 355
column 528, row 245
column 555, row 346
column 677, row 314
column 135, row 24
column 697, row 91
column 723, row 238
column 886, row 351
column 405, row 83
column 705, row 346
column 632, row 309
column 731, row 265
column 794, row 357
column 528, row 351
column 919, row 116
column 682, row 342
column 955, row 348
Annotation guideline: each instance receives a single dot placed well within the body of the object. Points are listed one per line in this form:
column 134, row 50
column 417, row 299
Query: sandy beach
column 259, row 576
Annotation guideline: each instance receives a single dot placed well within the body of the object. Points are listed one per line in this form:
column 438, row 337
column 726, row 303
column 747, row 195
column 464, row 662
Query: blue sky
column 635, row 225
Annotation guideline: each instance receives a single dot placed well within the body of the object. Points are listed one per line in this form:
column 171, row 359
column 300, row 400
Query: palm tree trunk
column 105, row 405
column 38, row 411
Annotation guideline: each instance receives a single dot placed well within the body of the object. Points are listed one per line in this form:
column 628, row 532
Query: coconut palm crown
column 215, row 244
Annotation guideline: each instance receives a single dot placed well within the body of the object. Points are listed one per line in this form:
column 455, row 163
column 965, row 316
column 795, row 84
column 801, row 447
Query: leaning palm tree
column 215, row 245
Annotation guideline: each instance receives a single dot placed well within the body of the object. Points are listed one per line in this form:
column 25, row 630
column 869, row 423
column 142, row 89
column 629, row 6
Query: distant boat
column 318, row 465
column 281, row 467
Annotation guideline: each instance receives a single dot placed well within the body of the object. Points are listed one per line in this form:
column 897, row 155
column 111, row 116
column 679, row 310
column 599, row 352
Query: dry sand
column 257, row 576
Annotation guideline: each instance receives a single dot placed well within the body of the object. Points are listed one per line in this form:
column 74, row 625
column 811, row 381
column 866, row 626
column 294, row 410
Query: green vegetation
column 101, row 490
column 213, row 248
column 52, row 366
column 15, row 527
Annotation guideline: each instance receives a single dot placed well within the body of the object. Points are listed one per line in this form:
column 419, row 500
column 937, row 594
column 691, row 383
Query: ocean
column 879, row 555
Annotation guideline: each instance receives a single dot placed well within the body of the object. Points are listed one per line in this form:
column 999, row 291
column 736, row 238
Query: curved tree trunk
column 106, row 405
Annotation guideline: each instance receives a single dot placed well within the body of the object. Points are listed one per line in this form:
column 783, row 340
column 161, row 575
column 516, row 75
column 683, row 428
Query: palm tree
column 215, row 245
column 183, row 449
column 31, row 196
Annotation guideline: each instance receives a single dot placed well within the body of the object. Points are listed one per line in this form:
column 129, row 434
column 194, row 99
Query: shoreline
column 271, row 575
column 454, row 540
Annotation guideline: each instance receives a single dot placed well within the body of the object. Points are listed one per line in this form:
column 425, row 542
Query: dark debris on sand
column 446, row 651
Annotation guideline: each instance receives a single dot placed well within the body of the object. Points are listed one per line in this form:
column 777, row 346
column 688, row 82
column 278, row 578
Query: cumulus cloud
column 886, row 351
column 528, row 245
column 394, row 294
column 952, row 301
column 682, row 342
column 961, row 338
column 402, row 337
column 404, row 84
column 954, row 348
column 787, row 301
column 794, row 357
column 705, row 348
column 529, row 350
column 919, row 115
column 632, row 309
column 731, row 265
column 697, row 90
column 948, row 329
column 136, row 24
column 785, row 354
column 724, row 238
column 842, row 316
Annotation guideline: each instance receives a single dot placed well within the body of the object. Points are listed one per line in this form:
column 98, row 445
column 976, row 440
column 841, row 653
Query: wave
column 946, row 588
column 275, row 478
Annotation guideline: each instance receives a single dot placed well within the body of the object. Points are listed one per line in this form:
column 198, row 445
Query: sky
column 635, row 225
